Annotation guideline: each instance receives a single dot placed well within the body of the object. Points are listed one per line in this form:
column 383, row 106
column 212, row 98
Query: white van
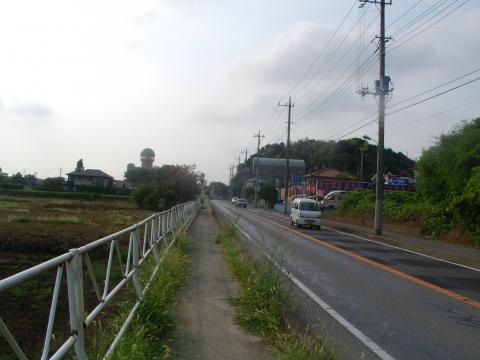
column 305, row 212
column 332, row 200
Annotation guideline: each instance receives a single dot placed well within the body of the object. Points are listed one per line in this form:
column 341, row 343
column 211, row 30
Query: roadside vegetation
column 150, row 335
column 160, row 188
column 265, row 303
column 447, row 200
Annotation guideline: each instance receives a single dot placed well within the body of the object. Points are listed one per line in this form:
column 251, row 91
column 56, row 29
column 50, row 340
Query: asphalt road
column 369, row 298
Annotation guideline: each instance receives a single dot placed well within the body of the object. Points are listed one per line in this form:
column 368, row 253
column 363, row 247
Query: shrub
column 147, row 197
column 466, row 207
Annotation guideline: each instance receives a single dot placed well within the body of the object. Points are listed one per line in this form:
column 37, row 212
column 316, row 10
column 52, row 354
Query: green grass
column 61, row 220
column 63, row 195
column 264, row 304
column 150, row 335
column 18, row 218
column 202, row 202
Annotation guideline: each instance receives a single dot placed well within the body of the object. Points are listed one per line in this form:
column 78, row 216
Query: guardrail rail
column 145, row 238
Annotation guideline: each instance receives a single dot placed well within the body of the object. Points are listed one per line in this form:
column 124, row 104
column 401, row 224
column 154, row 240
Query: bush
column 466, row 207
column 269, row 193
column 400, row 207
column 147, row 197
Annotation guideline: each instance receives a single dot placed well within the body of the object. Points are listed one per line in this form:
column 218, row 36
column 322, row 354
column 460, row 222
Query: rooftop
column 90, row 172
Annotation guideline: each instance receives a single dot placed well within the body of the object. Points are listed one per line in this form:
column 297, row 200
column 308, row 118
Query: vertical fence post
column 75, row 302
column 135, row 262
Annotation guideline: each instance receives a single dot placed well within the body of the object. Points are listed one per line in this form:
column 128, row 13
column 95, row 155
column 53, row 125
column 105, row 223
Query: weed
column 264, row 303
column 61, row 220
column 20, row 219
column 150, row 334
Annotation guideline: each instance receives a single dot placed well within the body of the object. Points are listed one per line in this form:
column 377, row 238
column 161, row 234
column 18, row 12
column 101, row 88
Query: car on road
column 332, row 200
column 234, row 200
column 305, row 212
column 241, row 203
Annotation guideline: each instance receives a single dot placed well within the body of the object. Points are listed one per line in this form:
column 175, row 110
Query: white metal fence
column 144, row 239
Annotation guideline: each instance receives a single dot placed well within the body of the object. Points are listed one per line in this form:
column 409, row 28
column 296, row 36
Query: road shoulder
column 206, row 326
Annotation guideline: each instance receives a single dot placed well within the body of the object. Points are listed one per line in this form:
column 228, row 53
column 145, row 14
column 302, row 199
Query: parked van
column 332, row 200
column 305, row 212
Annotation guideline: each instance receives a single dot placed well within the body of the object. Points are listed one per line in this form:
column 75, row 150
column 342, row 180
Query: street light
column 366, row 137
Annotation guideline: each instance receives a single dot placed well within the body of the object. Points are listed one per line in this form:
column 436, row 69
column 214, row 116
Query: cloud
column 26, row 113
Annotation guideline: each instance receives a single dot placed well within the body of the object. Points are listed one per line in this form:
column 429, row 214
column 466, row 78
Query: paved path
column 206, row 326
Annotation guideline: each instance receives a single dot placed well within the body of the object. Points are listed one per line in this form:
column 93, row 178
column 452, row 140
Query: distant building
column 88, row 177
column 272, row 169
column 147, row 157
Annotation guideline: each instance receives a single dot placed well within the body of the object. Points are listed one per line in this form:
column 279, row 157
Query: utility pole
column 246, row 155
column 242, row 177
column 382, row 88
column 231, row 168
column 287, row 151
column 259, row 137
column 362, row 151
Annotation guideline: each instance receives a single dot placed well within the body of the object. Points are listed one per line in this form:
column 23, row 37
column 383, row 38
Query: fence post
column 76, row 302
column 135, row 262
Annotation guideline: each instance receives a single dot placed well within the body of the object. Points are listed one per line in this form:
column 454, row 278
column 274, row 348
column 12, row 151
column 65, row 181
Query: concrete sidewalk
column 206, row 328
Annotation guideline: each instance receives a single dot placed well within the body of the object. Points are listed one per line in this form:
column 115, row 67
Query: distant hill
column 343, row 155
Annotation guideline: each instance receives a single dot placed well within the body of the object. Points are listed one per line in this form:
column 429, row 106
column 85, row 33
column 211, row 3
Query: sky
column 195, row 79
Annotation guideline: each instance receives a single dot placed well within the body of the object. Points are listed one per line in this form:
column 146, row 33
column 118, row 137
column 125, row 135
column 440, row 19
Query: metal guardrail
column 156, row 230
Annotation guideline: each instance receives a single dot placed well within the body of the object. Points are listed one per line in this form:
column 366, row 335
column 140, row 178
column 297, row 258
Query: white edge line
column 382, row 354
column 394, row 247
column 399, row 248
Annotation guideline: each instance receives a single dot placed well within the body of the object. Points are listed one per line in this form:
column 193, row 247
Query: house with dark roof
column 88, row 177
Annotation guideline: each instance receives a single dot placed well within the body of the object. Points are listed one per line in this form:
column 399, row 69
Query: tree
column 217, row 189
column 52, row 184
column 169, row 184
column 80, row 165
column 269, row 193
column 18, row 179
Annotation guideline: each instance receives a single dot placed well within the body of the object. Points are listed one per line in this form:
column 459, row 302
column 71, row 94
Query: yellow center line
column 405, row 276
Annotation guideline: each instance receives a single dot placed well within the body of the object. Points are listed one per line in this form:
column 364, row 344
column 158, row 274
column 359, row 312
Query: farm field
column 33, row 230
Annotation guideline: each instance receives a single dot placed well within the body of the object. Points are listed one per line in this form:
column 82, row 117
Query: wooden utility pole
column 259, row 137
column 287, row 152
column 382, row 88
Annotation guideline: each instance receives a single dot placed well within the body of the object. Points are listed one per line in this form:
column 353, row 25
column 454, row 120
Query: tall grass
column 150, row 335
column 265, row 302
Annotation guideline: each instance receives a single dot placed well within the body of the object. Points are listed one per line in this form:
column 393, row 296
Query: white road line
column 391, row 246
column 382, row 354
column 399, row 248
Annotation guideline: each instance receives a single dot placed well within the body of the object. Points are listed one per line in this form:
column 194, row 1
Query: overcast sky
column 195, row 79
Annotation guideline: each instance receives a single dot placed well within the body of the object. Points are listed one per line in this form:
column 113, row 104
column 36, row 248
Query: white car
column 234, row 200
column 305, row 212
column 332, row 200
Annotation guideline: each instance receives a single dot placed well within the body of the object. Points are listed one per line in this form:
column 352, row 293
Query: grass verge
column 264, row 304
column 150, row 335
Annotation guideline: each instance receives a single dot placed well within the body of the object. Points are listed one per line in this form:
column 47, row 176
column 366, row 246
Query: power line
column 437, row 87
column 322, row 51
column 434, row 96
column 405, row 13
column 412, row 105
column 435, row 114
column 298, row 94
column 428, row 27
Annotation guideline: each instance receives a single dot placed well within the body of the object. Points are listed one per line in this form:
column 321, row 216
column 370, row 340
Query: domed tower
column 147, row 157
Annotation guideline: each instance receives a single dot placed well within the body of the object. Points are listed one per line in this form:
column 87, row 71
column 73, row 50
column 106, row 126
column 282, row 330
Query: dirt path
column 206, row 327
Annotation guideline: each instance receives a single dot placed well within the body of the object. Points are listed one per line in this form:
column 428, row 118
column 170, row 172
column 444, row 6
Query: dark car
column 241, row 203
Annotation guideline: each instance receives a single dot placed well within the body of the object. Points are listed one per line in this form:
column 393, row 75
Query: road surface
column 370, row 298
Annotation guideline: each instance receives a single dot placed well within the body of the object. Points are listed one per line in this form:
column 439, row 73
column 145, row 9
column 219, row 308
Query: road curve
column 408, row 305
